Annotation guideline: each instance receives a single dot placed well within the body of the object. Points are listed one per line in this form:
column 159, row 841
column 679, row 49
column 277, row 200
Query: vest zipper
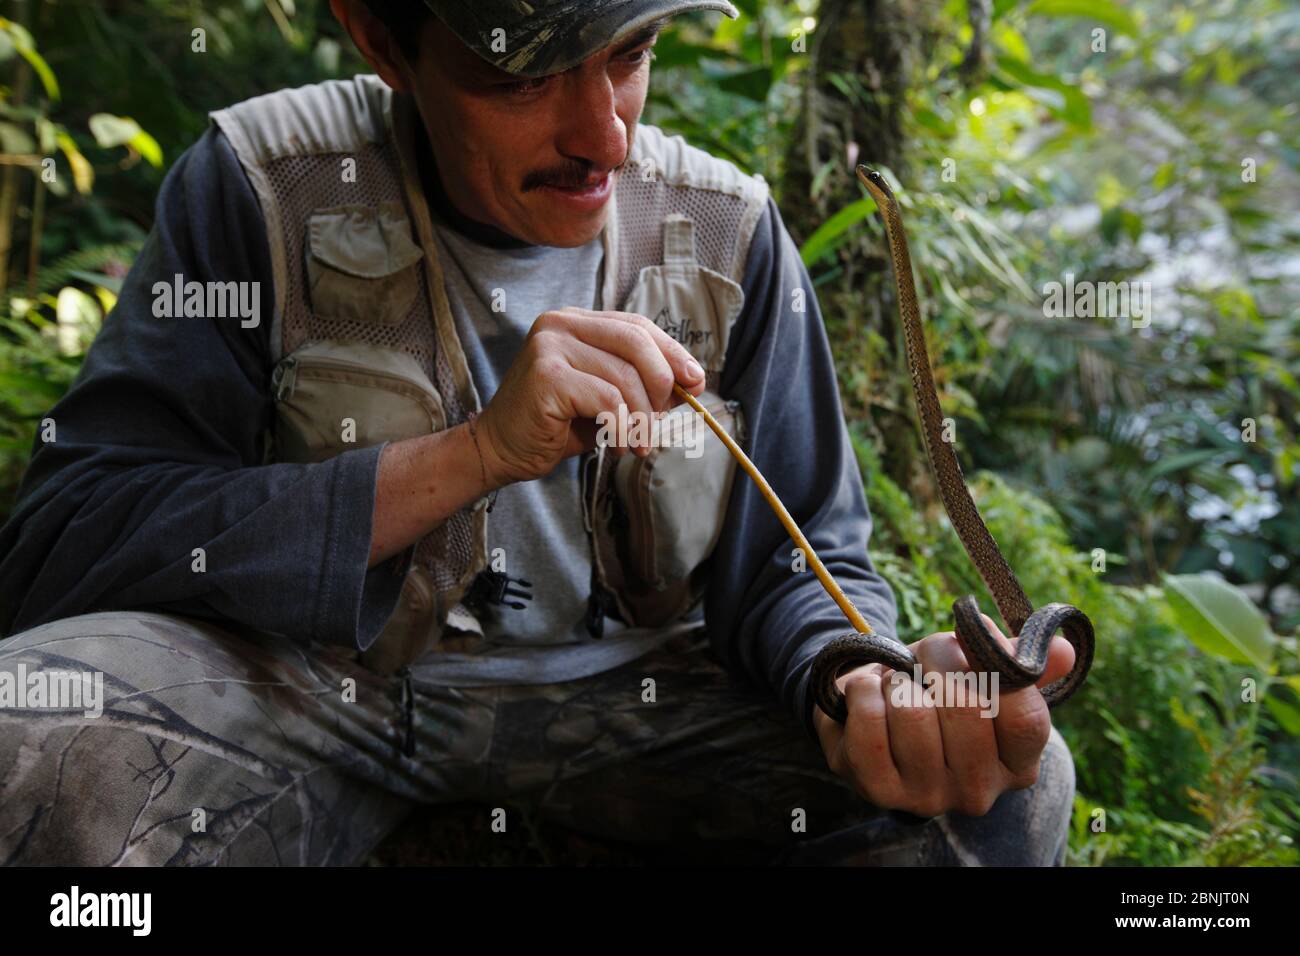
column 284, row 378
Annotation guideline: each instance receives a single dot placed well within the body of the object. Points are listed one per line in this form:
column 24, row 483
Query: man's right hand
column 575, row 364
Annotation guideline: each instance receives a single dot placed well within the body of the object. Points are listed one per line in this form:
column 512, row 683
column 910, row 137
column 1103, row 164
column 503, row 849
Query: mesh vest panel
column 304, row 184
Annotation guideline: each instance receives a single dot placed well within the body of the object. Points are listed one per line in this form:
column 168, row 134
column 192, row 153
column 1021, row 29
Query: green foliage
column 34, row 374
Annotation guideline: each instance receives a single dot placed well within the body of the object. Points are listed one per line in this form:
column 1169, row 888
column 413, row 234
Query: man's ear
column 375, row 43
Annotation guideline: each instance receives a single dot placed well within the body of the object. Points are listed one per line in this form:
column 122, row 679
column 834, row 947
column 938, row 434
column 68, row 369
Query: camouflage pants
column 214, row 747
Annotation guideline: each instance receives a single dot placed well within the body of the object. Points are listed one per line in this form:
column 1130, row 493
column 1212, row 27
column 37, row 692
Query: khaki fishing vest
column 366, row 348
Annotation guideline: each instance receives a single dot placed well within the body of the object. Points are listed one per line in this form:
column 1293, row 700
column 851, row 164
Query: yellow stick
column 829, row 583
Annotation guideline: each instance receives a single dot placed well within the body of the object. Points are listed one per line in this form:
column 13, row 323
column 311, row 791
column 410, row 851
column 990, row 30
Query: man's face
column 537, row 159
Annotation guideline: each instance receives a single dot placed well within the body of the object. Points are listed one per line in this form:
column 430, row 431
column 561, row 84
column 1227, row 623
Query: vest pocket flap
column 369, row 242
column 693, row 304
column 361, row 263
column 332, row 397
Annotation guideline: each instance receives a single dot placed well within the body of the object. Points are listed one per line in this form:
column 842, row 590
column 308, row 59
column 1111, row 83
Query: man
column 469, row 266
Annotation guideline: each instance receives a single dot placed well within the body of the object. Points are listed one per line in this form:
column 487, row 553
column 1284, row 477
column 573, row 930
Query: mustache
column 569, row 176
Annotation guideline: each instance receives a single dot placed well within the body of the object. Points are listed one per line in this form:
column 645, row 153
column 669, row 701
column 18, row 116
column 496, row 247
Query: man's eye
column 637, row 57
column 526, row 86
column 523, row 87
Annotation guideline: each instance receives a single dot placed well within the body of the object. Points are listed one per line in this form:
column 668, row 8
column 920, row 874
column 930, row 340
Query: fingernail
column 693, row 368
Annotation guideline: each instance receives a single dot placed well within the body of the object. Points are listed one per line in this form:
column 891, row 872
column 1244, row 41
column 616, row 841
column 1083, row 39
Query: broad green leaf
column 22, row 42
column 15, row 139
column 106, row 291
column 83, row 174
column 827, row 235
column 1103, row 11
column 1287, row 713
column 1219, row 619
column 43, row 71
column 148, row 147
column 110, row 131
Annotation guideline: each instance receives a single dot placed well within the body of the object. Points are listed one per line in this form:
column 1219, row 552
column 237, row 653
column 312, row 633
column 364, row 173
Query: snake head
column 875, row 184
column 872, row 175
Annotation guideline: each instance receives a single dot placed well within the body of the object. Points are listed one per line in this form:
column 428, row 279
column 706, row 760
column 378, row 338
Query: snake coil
column 1034, row 628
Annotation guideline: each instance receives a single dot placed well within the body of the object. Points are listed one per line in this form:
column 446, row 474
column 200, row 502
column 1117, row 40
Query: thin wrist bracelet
column 472, row 418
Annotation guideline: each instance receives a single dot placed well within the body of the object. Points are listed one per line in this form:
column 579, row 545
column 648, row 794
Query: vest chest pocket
column 692, row 303
column 676, row 497
column 362, row 263
column 331, row 397
column 659, row 521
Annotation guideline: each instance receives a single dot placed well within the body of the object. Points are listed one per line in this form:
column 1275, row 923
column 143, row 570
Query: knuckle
column 945, row 640
column 860, row 681
column 550, row 366
column 663, row 379
column 627, row 379
column 629, row 338
column 1026, row 730
column 909, row 713
column 645, row 338
column 942, row 641
column 543, row 341
column 610, row 396
column 545, row 322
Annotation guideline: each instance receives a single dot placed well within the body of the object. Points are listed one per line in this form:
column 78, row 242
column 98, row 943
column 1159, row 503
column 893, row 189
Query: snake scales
column 1034, row 628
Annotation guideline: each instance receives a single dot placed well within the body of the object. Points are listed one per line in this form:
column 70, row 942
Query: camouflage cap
column 532, row 38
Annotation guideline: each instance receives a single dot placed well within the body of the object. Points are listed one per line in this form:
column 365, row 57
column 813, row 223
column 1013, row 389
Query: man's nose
column 589, row 125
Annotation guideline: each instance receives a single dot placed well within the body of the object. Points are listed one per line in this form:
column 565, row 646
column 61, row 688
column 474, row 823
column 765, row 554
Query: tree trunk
column 864, row 54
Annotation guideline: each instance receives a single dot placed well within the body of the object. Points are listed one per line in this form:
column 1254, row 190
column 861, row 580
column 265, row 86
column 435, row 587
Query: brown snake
column 1034, row 628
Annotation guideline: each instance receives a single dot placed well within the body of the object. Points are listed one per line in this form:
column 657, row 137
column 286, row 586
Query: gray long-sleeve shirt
column 158, row 451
